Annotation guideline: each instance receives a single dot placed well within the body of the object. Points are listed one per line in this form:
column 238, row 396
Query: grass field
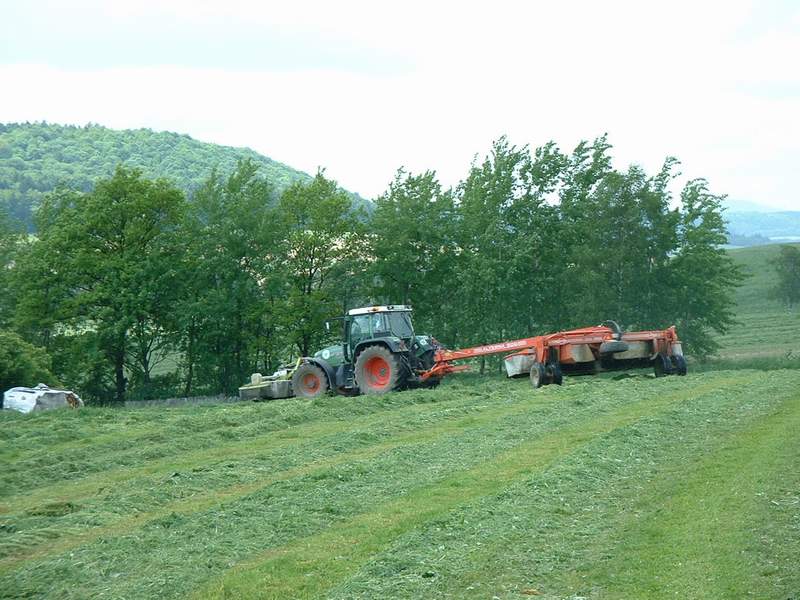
column 769, row 334
column 610, row 487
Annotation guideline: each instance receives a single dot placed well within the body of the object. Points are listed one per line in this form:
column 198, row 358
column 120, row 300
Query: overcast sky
column 362, row 88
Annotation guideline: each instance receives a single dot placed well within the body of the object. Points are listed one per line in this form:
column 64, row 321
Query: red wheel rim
column 378, row 371
column 310, row 382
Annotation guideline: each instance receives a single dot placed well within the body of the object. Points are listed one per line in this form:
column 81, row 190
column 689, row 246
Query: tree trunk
column 119, row 373
column 187, row 389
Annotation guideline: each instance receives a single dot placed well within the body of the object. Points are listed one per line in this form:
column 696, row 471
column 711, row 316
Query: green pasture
column 635, row 487
column 768, row 333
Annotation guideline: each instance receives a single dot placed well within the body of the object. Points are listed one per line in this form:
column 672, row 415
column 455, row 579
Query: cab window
column 359, row 328
column 380, row 325
column 400, row 324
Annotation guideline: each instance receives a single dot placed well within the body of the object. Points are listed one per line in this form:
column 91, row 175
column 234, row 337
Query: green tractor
column 379, row 353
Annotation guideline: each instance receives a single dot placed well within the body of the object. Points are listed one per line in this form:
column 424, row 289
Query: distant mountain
column 763, row 227
column 747, row 206
column 36, row 157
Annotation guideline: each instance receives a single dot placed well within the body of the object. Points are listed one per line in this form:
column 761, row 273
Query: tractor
column 379, row 353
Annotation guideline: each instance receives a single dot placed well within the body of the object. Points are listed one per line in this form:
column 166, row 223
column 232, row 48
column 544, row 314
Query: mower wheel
column 309, row 381
column 679, row 364
column 555, row 374
column 538, row 375
column 662, row 365
column 377, row 370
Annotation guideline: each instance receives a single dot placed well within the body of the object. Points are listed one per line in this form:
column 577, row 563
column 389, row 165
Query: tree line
column 137, row 290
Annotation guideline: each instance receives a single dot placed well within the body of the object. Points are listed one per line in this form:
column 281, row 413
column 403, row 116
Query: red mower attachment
column 589, row 350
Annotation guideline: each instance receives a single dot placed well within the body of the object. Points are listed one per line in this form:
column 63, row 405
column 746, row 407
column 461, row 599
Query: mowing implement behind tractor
column 380, row 352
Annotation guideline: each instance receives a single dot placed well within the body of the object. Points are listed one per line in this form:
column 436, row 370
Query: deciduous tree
column 787, row 267
column 102, row 264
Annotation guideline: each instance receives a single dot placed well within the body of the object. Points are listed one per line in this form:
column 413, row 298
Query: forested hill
column 36, row 157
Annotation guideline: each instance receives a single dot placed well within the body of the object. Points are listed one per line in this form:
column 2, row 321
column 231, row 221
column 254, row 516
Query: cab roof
column 379, row 309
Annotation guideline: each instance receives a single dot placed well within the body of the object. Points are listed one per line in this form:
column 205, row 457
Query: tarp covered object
column 41, row 397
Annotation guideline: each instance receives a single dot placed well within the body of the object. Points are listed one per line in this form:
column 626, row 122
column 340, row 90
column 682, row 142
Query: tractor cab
column 362, row 324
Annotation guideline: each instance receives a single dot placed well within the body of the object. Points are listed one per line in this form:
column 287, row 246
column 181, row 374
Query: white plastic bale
column 41, row 397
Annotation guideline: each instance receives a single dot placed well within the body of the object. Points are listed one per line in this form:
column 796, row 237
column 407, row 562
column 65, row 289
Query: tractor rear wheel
column 309, row 381
column 378, row 370
column 538, row 376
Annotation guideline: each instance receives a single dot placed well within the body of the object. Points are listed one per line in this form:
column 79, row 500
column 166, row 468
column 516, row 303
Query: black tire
column 309, row 381
column 431, row 383
column 537, row 375
column 554, row 374
column 661, row 365
column 679, row 365
column 613, row 347
column 378, row 370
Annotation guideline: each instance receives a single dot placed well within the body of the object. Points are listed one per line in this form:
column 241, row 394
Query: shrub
column 22, row 363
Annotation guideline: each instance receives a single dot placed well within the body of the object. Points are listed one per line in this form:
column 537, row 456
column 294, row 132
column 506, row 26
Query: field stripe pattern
column 379, row 498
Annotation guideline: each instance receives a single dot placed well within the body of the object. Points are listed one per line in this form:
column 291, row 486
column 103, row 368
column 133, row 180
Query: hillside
column 769, row 332
column 36, row 157
column 481, row 488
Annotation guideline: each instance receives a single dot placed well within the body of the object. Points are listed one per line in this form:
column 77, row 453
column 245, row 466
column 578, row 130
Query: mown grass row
column 350, row 499
column 513, row 533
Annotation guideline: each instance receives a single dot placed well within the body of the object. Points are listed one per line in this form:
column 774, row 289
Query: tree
column 22, row 363
column 624, row 233
column 507, row 239
column 486, row 242
column 701, row 275
column 10, row 242
column 787, row 267
column 226, row 311
column 323, row 245
column 103, row 265
column 411, row 240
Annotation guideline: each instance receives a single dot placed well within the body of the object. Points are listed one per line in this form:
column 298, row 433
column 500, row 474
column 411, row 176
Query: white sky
column 362, row 88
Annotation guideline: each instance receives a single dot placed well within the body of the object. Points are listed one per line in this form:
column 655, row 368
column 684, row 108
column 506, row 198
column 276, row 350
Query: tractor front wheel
column 378, row 370
column 309, row 381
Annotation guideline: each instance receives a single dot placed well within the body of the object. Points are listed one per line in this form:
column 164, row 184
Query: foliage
column 411, row 238
column 22, row 363
column 321, row 251
column 227, row 282
column 10, row 242
column 36, row 158
column 532, row 242
column 108, row 253
column 787, row 267
column 702, row 274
